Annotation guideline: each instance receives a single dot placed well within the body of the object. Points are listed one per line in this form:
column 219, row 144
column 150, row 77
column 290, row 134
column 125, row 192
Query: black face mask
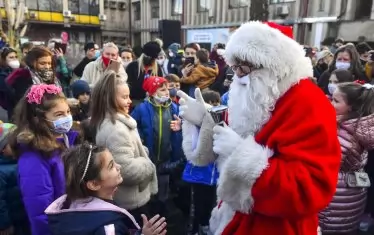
column 147, row 60
column 324, row 66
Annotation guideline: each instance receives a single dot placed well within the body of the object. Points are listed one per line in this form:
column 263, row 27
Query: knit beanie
column 80, row 87
column 5, row 130
column 151, row 84
column 152, row 49
column 174, row 47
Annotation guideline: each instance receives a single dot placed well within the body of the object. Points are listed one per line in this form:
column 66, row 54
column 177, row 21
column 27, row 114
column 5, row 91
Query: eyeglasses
column 246, row 69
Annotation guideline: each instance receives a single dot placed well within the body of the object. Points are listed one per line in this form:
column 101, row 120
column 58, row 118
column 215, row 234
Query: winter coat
column 225, row 98
column 91, row 216
column 94, row 71
column 202, row 76
column 145, row 114
column 137, row 170
column 42, row 181
column 12, row 211
column 207, row 175
column 136, row 79
column 5, row 98
column 347, row 206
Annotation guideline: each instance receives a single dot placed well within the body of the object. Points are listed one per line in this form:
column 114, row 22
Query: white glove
column 192, row 110
column 225, row 141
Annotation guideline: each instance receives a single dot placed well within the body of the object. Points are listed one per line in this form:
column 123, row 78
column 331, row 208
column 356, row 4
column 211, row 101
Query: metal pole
column 130, row 23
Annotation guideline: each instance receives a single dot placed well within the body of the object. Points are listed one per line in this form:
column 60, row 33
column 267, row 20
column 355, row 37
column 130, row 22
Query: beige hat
column 323, row 54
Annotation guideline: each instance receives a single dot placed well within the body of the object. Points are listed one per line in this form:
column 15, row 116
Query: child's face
column 123, row 98
column 175, row 85
column 340, row 104
column 163, row 91
column 61, row 109
column 110, row 176
column 84, row 98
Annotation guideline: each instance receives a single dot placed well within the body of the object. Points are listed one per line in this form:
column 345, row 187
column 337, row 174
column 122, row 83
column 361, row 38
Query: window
column 155, row 9
column 84, row 7
column 203, row 5
column 321, row 5
column 137, row 13
column 238, row 3
column 176, row 7
column 363, row 9
column 56, row 5
column 73, row 6
column 31, row 4
column 94, row 7
column 280, row 1
column 44, row 5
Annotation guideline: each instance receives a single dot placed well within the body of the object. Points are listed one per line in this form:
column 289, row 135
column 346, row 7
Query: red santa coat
column 300, row 177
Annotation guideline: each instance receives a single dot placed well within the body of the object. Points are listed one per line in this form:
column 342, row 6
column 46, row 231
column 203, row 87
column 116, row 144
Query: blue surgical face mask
column 173, row 92
column 62, row 125
column 97, row 54
column 331, row 87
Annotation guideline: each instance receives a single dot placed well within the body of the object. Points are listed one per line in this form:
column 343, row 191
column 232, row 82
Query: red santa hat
column 286, row 30
column 151, row 84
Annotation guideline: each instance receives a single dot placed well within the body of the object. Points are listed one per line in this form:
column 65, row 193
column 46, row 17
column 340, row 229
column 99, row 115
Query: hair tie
column 37, row 92
column 360, row 82
column 87, row 164
column 368, row 86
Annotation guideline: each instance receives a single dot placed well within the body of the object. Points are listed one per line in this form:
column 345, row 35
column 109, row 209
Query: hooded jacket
column 91, row 216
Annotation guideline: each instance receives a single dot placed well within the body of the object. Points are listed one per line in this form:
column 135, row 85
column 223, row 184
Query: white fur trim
column 220, row 218
column 110, row 229
column 239, row 173
column 198, row 144
column 319, row 231
column 264, row 46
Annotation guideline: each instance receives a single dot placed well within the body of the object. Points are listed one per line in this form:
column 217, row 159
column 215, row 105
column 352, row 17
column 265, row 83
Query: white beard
column 250, row 105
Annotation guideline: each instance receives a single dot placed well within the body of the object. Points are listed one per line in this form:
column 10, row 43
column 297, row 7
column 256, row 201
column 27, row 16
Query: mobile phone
column 372, row 56
column 230, row 76
column 189, row 60
column 218, row 113
column 114, row 65
column 61, row 46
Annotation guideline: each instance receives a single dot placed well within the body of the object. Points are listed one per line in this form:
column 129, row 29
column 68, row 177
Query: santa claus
column 279, row 156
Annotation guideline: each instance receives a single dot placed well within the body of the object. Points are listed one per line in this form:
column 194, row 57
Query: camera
column 218, row 114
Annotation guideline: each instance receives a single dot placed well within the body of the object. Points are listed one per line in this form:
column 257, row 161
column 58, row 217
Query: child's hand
column 154, row 226
column 176, row 124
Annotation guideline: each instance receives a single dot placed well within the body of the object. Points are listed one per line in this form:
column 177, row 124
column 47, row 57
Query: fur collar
column 127, row 120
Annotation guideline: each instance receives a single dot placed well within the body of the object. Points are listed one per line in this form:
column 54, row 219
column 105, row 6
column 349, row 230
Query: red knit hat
column 151, row 84
column 286, row 30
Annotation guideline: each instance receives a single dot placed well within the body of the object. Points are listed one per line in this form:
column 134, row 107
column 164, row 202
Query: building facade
column 116, row 27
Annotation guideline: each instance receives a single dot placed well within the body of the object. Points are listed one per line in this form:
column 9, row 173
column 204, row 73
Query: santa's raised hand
column 192, row 110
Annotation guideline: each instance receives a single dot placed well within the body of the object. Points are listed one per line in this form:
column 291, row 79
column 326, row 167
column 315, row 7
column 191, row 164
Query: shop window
column 44, row 5
column 94, row 7
column 31, row 4
column 203, row 5
column 363, row 9
column 84, row 7
column 176, row 7
column 73, row 6
column 56, row 5
column 238, row 3
column 137, row 14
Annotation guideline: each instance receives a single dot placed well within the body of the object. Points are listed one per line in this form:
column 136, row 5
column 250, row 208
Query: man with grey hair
column 95, row 69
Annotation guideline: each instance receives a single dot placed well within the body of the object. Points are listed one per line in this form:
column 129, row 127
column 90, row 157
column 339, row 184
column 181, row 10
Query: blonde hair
column 154, row 66
column 110, row 45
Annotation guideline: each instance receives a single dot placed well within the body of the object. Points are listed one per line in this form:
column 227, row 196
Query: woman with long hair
column 142, row 68
column 40, row 69
column 346, row 57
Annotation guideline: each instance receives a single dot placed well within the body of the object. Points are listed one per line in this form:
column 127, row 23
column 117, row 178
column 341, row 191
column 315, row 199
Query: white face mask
column 342, row 65
column 161, row 99
column 331, row 87
column 171, row 54
column 160, row 61
column 243, row 80
column 125, row 63
column 14, row 64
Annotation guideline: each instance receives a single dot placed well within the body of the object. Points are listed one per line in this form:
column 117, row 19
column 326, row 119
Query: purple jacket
column 41, row 182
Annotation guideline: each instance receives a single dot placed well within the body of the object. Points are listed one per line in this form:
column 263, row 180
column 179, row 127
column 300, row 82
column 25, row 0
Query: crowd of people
column 110, row 146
